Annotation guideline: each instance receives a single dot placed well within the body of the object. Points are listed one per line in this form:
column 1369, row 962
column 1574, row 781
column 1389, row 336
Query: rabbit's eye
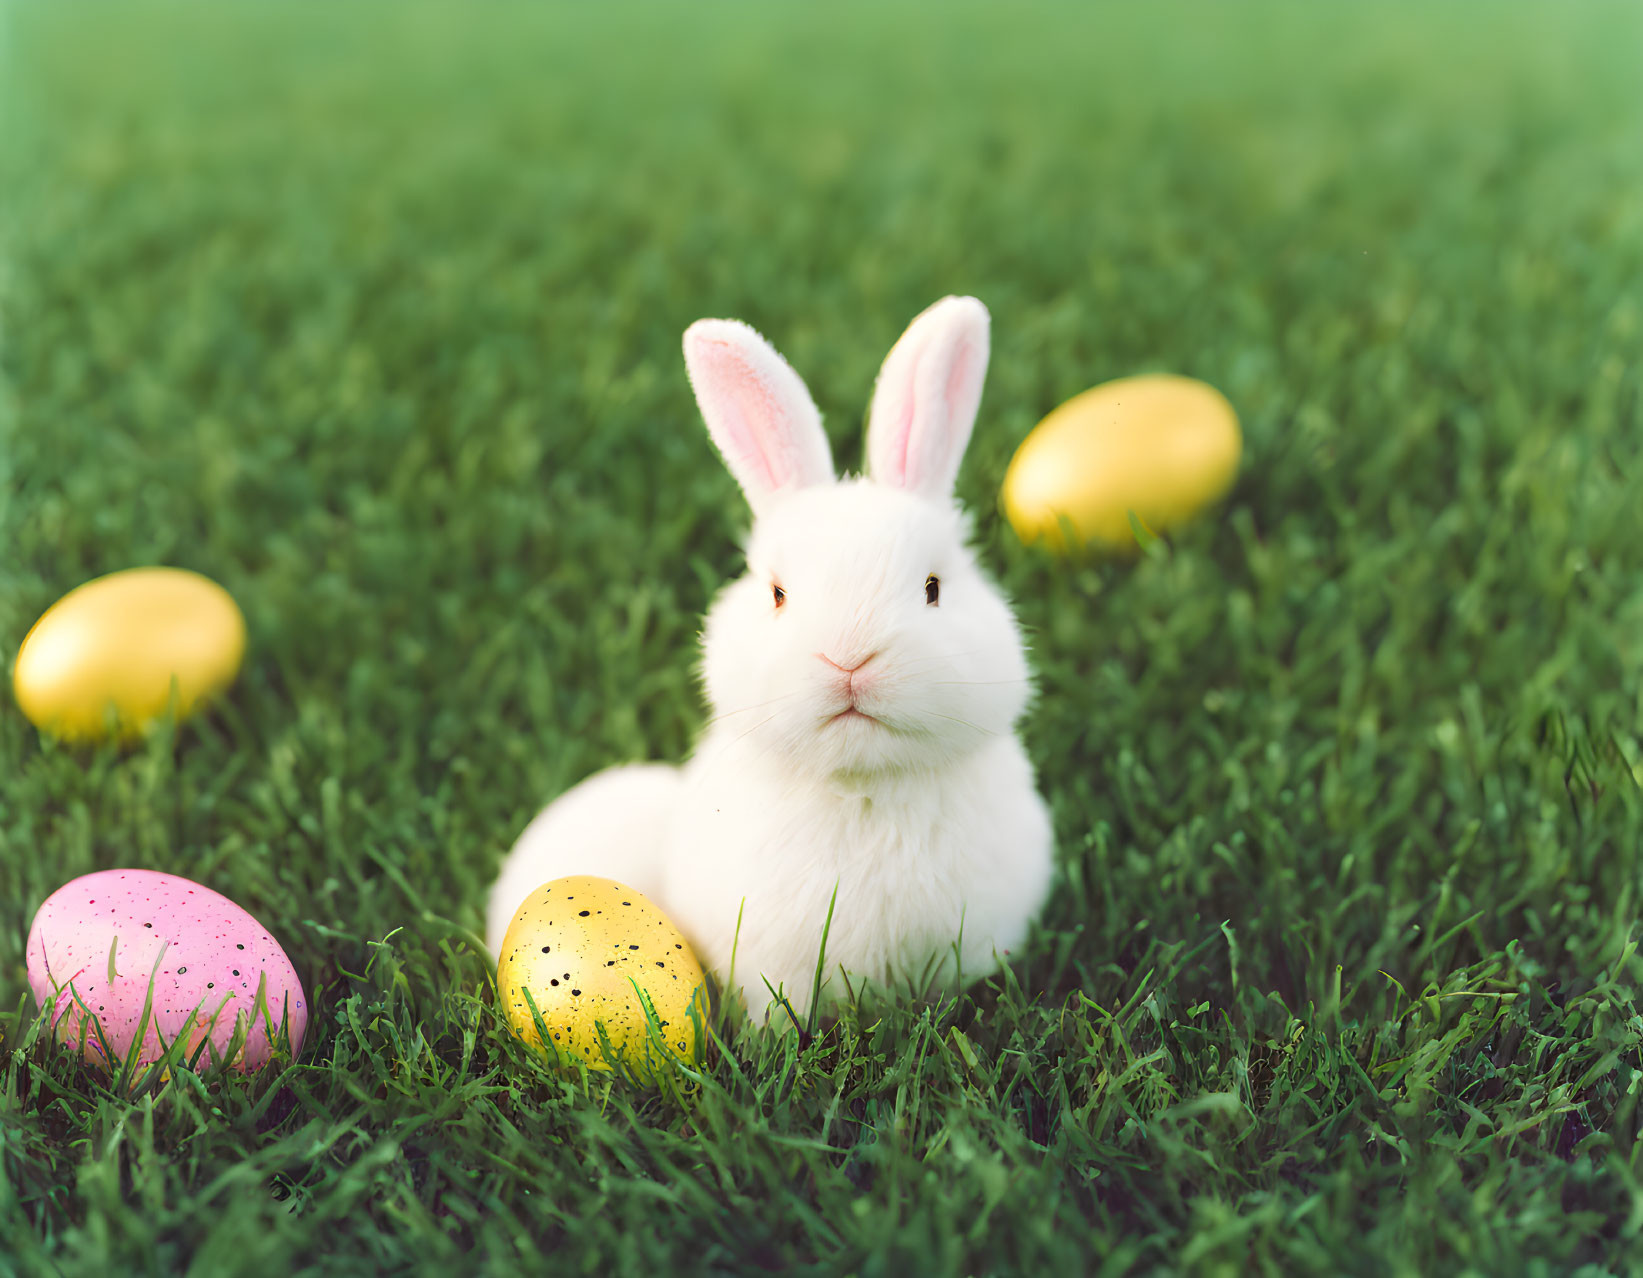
column 778, row 594
column 932, row 590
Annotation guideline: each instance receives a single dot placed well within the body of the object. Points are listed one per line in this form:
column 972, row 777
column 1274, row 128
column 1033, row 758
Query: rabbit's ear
column 760, row 415
column 925, row 401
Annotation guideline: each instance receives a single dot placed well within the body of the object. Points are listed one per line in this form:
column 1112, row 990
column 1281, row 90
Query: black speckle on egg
column 555, row 981
column 659, row 963
column 582, row 914
column 633, row 947
column 546, row 948
column 610, row 962
column 576, row 993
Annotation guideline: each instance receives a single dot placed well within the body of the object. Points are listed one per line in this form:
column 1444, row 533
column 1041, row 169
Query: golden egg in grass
column 114, row 655
column 586, row 949
column 1159, row 446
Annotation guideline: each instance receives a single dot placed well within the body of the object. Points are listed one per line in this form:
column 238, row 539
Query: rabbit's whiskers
column 938, row 659
column 759, row 705
column 963, row 723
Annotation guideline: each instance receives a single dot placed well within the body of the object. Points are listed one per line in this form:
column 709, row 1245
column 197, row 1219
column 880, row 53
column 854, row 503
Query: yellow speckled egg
column 585, row 947
column 107, row 657
column 1162, row 446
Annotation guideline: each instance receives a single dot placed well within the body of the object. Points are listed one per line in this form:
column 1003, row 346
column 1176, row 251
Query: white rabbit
column 865, row 679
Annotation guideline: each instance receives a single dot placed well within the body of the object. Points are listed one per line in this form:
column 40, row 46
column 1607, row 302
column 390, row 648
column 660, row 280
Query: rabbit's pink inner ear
column 757, row 410
column 742, row 405
column 925, row 403
column 892, row 426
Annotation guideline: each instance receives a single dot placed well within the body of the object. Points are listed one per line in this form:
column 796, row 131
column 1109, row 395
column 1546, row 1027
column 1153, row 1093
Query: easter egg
column 115, row 651
column 586, row 948
column 1160, row 446
column 131, row 961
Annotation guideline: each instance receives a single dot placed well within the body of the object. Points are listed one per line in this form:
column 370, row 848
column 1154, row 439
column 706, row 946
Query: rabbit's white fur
column 863, row 740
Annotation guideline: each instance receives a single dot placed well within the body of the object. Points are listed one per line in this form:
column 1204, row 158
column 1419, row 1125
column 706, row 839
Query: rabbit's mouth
column 851, row 712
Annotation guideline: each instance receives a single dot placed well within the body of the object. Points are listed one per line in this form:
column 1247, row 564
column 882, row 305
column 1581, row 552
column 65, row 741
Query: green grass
column 374, row 316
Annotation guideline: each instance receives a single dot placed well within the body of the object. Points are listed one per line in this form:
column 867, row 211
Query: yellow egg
column 585, row 948
column 1162, row 446
column 121, row 646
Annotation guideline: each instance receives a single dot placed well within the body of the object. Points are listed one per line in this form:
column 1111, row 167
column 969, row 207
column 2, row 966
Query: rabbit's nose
column 856, row 680
column 845, row 668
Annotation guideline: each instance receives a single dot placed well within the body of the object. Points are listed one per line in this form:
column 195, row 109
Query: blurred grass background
column 373, row 315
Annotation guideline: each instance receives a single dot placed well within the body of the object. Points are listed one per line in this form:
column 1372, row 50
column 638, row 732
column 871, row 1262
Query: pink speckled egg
column 101, row 941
